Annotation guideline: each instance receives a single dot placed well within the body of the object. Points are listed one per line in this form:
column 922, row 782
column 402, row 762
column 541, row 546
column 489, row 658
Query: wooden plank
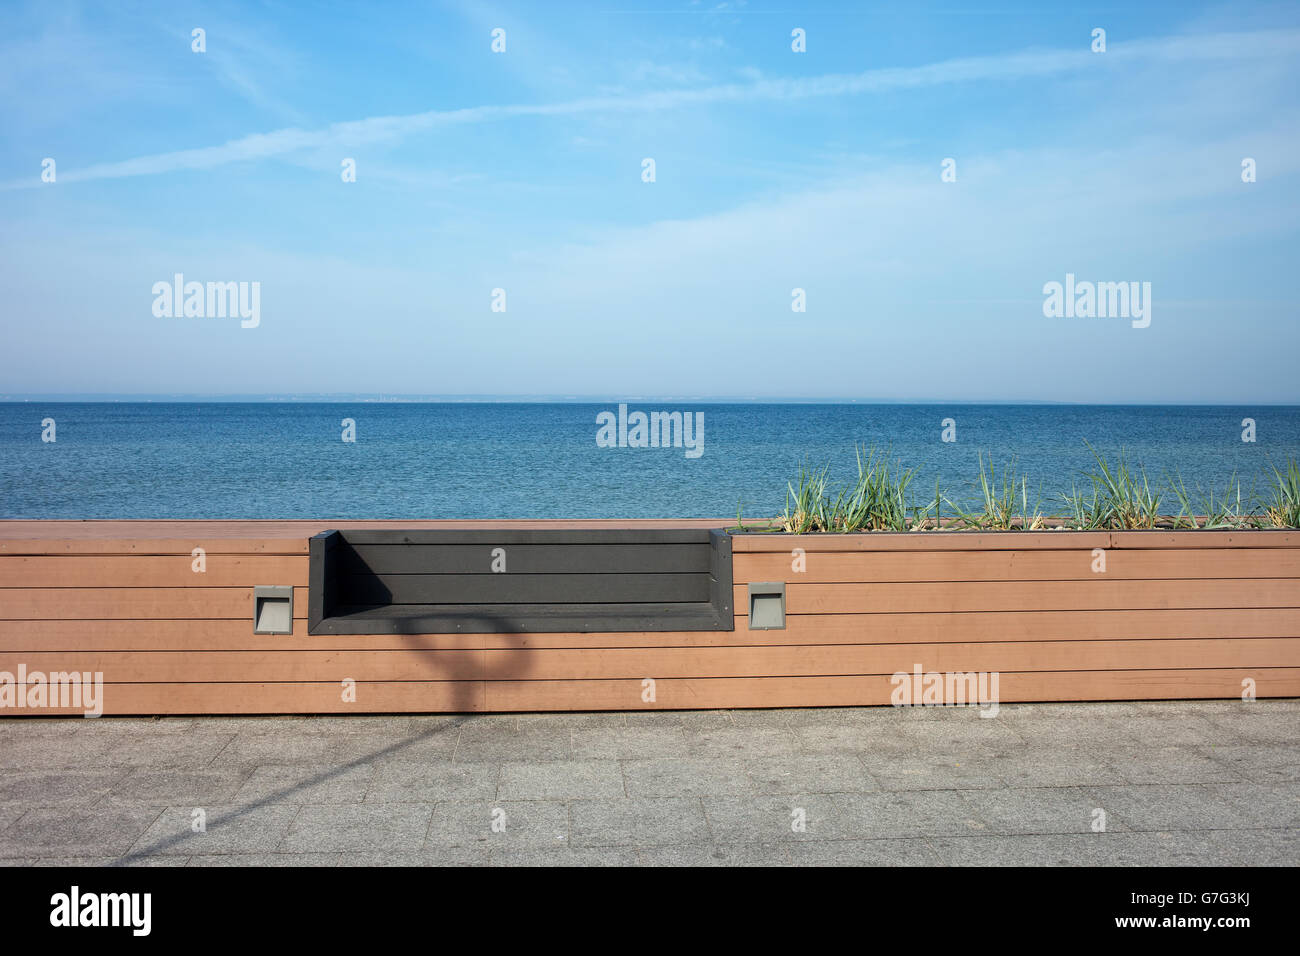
column 65, row 604
column 553, row 536
column 524, row 618
column 686, row 694
column 709, row 693
column 658, row 663
column 1013, row 540
column 1042, row 596
column 384, row 559
column 925, row 628
column 922, row 541
column 152, row 571
column 1041, row 565
column 303, row 529
column 522, row 588
column 151, row 546
column 1265, row 538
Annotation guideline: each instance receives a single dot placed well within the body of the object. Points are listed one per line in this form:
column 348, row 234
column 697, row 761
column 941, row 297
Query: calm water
column 282, row 460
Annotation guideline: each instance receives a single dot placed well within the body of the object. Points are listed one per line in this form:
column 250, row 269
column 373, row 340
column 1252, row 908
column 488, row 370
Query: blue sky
column 775, row 170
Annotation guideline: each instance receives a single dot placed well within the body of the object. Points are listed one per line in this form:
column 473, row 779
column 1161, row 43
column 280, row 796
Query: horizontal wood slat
column 660, row 662
column 1014, row 540
column 521, row 559
column 151, row 571
column 1043, row 596
column 671, row 694
column 1041, row 565
column 513, row 588
column 63, row 604
column 114, row 547
column 945, row 627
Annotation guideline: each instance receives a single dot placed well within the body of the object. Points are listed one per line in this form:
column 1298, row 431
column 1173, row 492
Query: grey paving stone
column 1199, row 782
column 255, row 750
column 366, row 827
column 1257, row 763
column 926, row 771
column 405, row 782
column 1186, row 848
column 601, row 720
column 636, row 742
column 1170, row 807
column 490, row 741
column 695, row 720
column 771, row 719
column 76, row 831
column 185, row 751
column 1085, row 732
column 500, row 824
column 637, row 822
column 685, row 776
column 26, row 728
column 863, row 718
column 1184, row 765
column 1259, row 804
column 906, row 852
column 563, row 779
column 741, row 742
column 772, row 819
column 101, row 728
column 9, row 813
column 305, row 783
column 721, row 854
column 883, row 740
column 229, row 829
column 448, row 856
column 900, row 814
column 564, row 856
column 34, row 753
column 57, row 788
column 1255, row 726
column 803, row 773
column 720, row 776
column 151, row 787
column 1092, row 849
column 1266, row 847
column 1042, row 767
column 1037, row 811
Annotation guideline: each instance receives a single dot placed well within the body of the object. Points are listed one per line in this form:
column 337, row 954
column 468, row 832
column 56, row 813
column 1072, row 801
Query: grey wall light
column 272, row 609
column 767, row 606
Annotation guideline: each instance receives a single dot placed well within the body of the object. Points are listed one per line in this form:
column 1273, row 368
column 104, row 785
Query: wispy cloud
column 1023, row 65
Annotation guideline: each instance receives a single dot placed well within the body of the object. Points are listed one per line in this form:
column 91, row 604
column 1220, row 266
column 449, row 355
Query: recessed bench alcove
column 517, row 581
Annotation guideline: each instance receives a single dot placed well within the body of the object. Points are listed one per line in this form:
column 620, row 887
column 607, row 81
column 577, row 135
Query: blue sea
column 539, row 460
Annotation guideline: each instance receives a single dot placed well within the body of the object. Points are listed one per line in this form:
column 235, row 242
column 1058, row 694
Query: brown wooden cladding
column 1175, row 615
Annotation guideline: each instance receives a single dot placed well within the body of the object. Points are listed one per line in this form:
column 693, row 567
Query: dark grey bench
column 432, row 582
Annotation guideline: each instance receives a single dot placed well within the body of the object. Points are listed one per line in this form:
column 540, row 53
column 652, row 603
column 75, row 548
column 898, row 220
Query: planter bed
column 1176, row 614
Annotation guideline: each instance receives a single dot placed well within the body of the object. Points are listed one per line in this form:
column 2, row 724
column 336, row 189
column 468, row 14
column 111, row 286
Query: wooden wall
column 1175, row 615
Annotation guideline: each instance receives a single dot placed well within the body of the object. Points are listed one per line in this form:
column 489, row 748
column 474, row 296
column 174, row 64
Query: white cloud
column 1229, row 46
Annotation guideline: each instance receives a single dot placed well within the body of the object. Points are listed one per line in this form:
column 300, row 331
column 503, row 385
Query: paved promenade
column 1178, row 783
